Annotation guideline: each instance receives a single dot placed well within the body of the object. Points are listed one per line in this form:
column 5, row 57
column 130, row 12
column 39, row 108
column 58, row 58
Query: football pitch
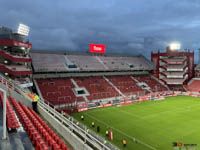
column 154, row 125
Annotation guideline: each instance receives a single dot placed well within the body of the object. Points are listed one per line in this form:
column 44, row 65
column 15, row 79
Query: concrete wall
column 85, row 74
column 68, row 135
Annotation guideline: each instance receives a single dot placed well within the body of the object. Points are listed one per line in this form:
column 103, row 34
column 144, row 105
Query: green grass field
column 155, row 124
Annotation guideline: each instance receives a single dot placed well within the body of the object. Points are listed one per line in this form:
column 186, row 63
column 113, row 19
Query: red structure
column 174, row 68
column 15, row 61
column 97, row 48
column 197, row 71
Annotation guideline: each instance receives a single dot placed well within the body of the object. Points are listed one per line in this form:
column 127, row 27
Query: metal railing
column 91, row 138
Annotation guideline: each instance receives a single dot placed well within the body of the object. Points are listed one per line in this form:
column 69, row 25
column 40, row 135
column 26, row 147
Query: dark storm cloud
column 126, row 26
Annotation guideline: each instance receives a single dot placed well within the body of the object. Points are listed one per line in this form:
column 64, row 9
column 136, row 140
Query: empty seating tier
column 43, row 62
column 36, row 127
column 152, row 83
column 34, row 135
column 11, row 120
column 126, row 85
column 98, row 87
column 58, row 91
column 194, row 86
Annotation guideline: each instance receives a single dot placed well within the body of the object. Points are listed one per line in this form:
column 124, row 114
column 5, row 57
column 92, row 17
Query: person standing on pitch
column 98, row 129
column 93, row 125
column 124, row 143
column 107, row 133
column 82, row 117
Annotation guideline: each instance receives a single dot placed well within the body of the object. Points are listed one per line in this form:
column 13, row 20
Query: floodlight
column 23, row 29
column 175, row 46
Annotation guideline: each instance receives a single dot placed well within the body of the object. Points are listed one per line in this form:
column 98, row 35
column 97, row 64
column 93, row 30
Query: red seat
column 55, row 147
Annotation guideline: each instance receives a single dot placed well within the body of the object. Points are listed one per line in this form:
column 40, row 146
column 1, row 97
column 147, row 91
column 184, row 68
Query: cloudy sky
column 125, row 26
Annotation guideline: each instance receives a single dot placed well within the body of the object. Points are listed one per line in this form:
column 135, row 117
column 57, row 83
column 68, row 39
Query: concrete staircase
column 37, row 88
column 114, row 86
column 101, row 62
column 160, row 82
column 138, row 82
column 76, row 86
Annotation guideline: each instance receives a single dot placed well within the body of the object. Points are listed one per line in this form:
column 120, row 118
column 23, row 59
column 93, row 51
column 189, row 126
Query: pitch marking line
column 168, row 111
column 147, row 145
column 134, row 115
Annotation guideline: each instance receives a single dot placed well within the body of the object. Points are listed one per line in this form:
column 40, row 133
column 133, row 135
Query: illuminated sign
column 97, row 48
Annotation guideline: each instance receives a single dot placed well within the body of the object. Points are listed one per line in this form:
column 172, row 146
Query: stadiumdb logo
column 97, row 48
column 182, row 146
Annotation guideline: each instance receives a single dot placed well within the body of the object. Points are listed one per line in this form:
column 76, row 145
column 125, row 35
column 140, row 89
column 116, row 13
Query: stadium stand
column 179, row 60
column 174, row 68
column 197, row 71
column 154, row 85
column 44, row 62
column 34, row 135
column 58, row 91
column 39, row 132
column 177, row 88
column 98, row 87
column 85, row 62
column 16, row 57
column 62, row 78
column 174, row 81
column 126, row 85
column 12, row 122
column 17, row 78
column 194, row 85
column 125, row 63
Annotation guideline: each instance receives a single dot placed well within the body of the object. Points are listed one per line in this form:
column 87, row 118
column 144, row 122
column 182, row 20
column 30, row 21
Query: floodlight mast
column 174, row 46
column 23, row 29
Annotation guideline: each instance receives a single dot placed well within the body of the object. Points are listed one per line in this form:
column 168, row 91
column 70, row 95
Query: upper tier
column 43, row 62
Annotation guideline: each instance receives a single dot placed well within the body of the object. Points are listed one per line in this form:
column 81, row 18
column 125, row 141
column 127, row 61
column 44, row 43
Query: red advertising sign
column 97, row 48
column 82, row 109
column 107, row 105
column 126, row 103
column 110, row 134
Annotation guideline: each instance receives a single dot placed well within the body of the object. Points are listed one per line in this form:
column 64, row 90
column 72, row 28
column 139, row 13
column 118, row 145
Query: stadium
column 96, row 100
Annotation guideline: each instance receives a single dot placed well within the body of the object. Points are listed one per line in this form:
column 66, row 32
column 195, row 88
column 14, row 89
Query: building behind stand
column 15, row 61
column 175, row 68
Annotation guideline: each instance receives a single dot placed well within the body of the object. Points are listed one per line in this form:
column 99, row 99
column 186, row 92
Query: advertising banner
column 82, row 109
column 97, row 48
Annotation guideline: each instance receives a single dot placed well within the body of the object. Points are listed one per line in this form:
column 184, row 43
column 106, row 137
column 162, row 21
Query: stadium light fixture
column 175, row 46
column 23, row 29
